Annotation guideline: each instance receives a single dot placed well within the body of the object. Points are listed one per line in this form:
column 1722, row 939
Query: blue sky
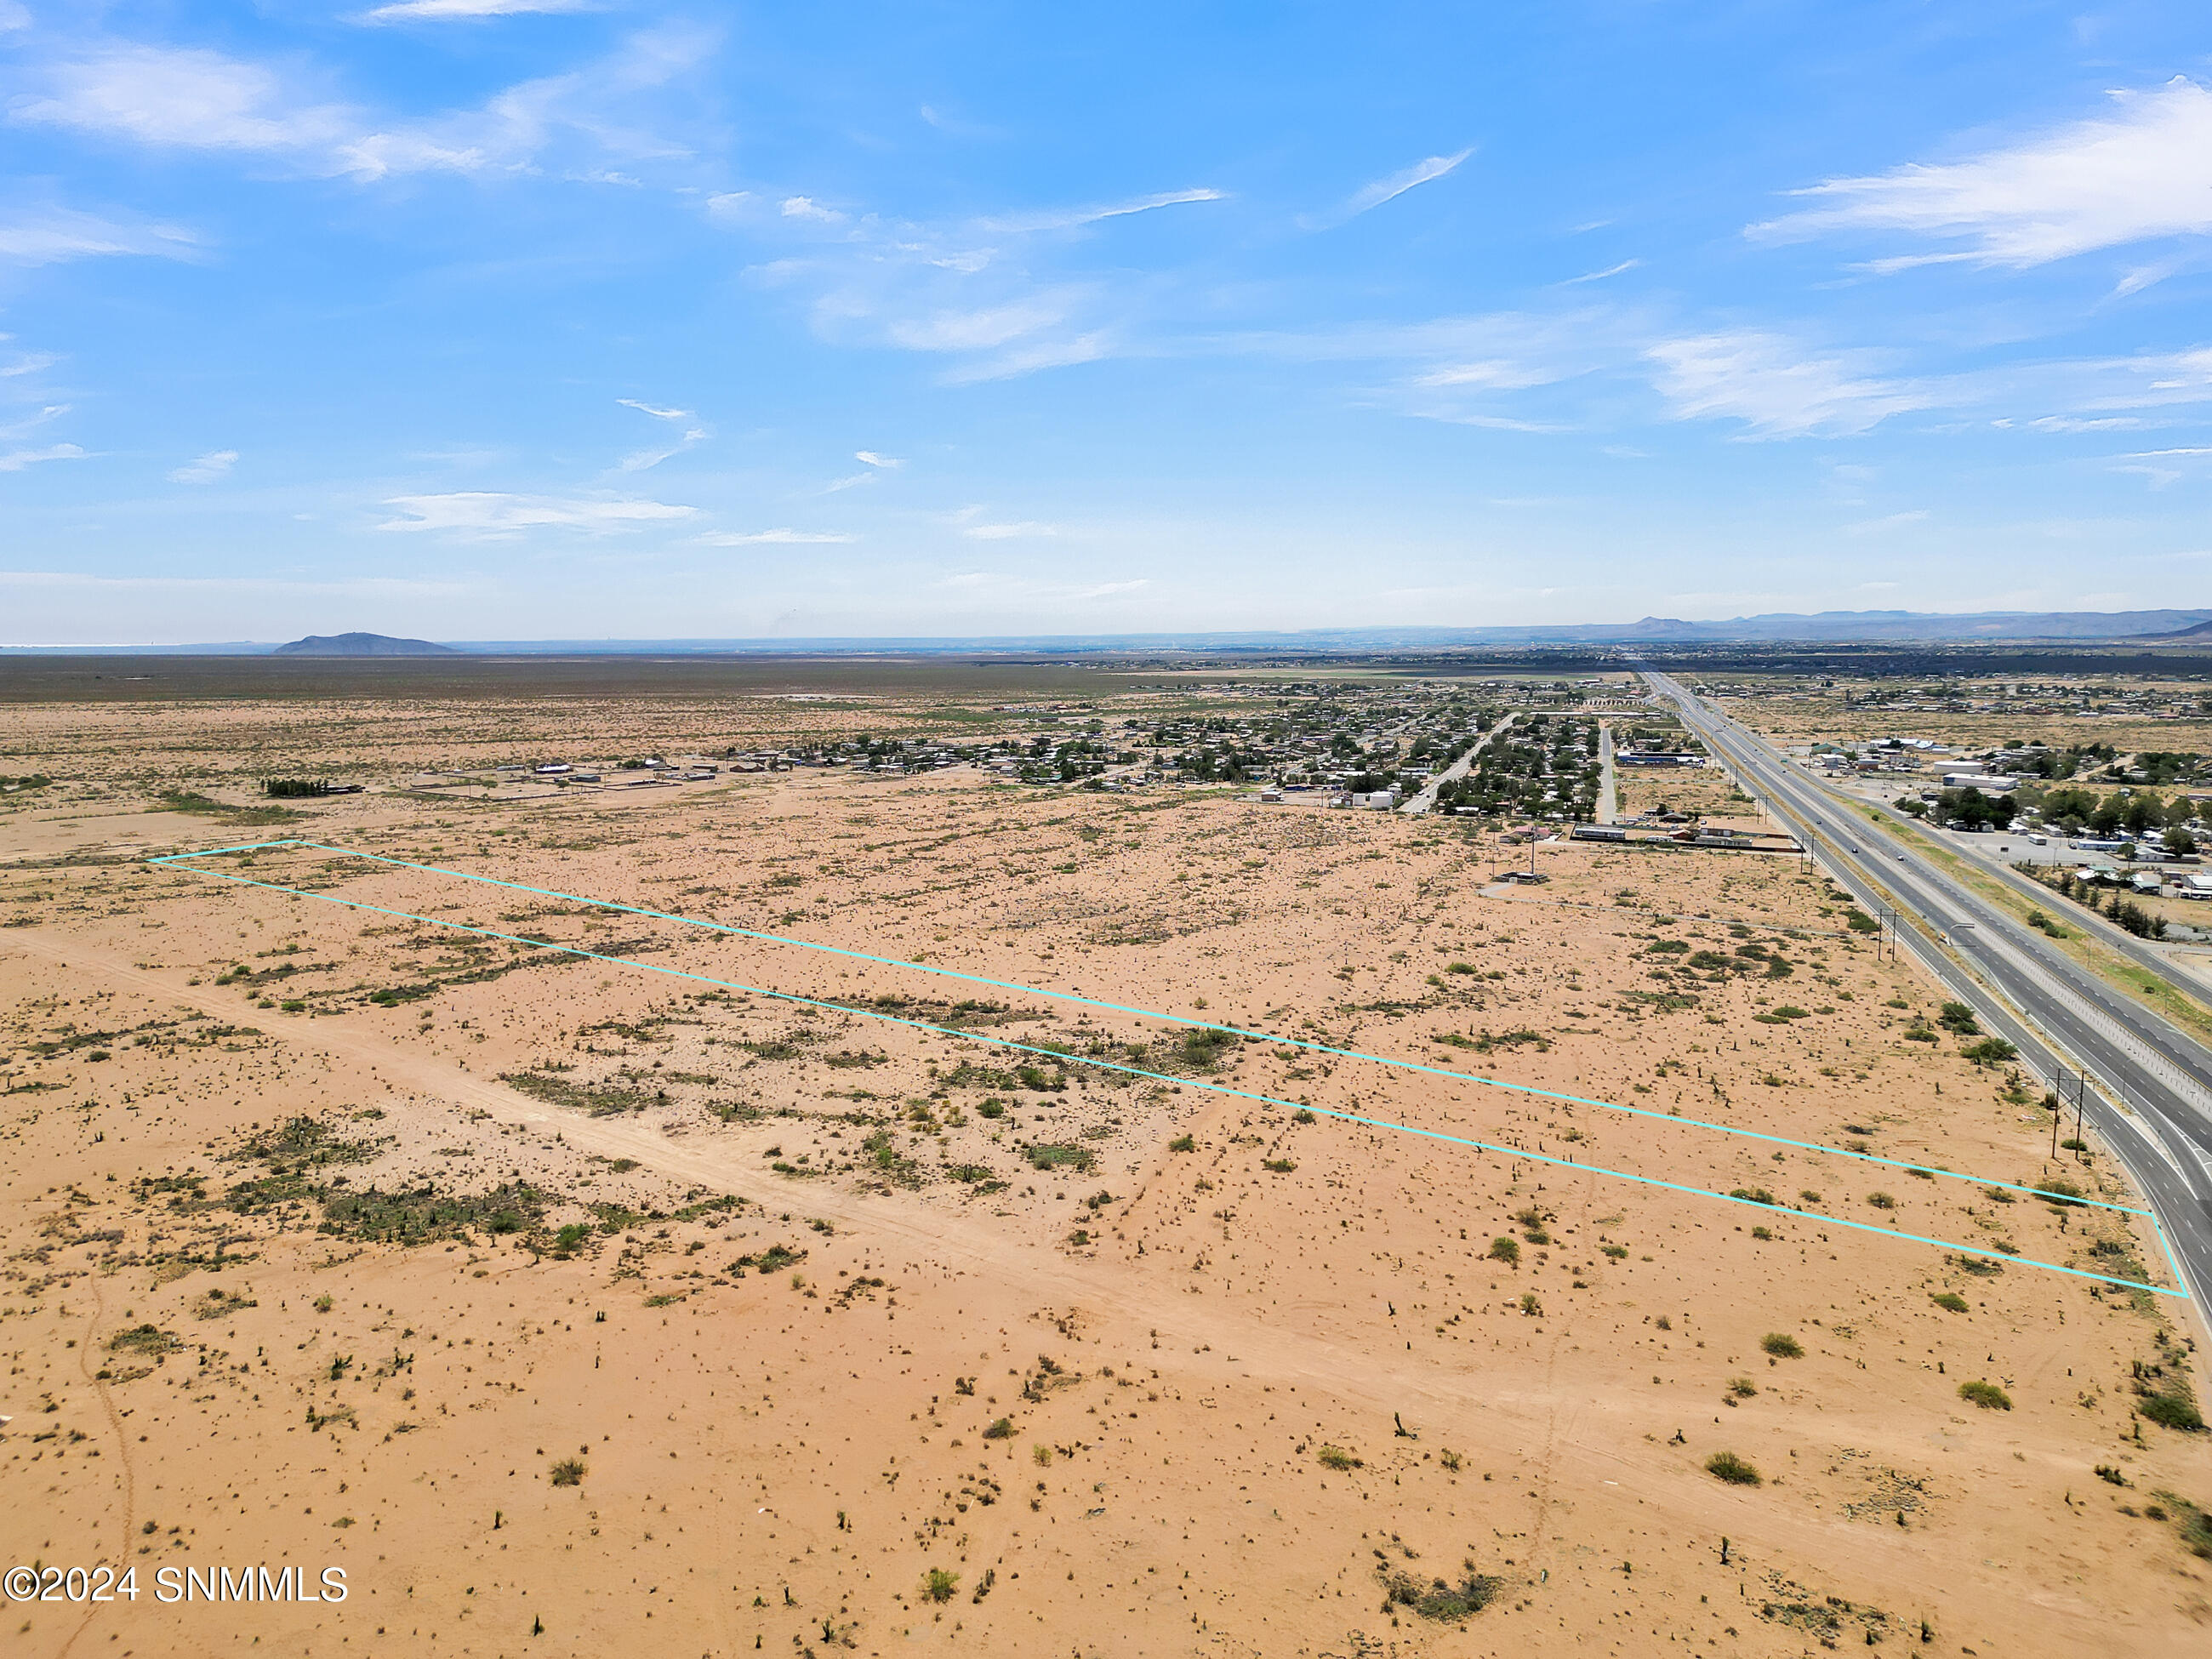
column 488, row 318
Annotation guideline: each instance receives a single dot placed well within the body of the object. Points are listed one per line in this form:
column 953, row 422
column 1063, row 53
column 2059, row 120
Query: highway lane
column 2058, row 1015
column 2114, row 938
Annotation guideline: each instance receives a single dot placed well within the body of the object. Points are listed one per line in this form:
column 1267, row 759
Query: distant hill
column 362, row 645
column 1828, row 627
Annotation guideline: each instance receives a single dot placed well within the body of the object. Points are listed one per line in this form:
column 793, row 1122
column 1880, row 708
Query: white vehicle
column 2038, row 841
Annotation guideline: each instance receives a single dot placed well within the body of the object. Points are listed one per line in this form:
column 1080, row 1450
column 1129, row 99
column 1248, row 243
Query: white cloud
column 974, row 331
column 1777, row 387
column 872, row 458
column 1599, row 275
column 2141, row 172
column 32, row 423
column 46, row 236
column 183, row 96
column 17, row 460
column 978, row 291
column 215, row 464
column 644, row 460
column 394, row 586
column 1071, row 218
column 492, row 515
column 784, row 537
column 1389, row 189
column 1491, row 375
column 1889, row 521
column 195, row 99
column 441, row 11
column 1007, row 532
column 1028, row 358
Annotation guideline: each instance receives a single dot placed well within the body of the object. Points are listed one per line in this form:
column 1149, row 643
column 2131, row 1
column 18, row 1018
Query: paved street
column 2059, row 1016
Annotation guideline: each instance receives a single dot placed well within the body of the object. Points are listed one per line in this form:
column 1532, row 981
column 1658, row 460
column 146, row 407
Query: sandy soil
column 1138, row 1365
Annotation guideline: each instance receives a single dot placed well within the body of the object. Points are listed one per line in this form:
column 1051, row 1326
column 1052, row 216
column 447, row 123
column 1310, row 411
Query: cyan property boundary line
column 183, row 859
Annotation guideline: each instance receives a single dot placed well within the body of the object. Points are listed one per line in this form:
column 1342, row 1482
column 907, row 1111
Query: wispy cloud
column 446, row 11
column 644, row 460
column 17, row 460
column 983, row 293
column 2144, row 172
column 192, row 98
column 17, row 429
column 380, row 586
column 490, row 515
column 1023, row 224
column 215, row 464
column 1008, row 533
column 43, row 236
column 1389, row 189
column 1777, row 387
column 783, row 536
column 1887, row 522
column 183, row 96
column 869, row 458
column 1599, row 275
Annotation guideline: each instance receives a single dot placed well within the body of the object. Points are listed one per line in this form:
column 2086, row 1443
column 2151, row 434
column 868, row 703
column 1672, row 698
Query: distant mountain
column 2183, row 629
column 362, row 645
column 1827, row 627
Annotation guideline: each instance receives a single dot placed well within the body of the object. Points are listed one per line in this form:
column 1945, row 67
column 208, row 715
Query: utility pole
column 2058, row 1109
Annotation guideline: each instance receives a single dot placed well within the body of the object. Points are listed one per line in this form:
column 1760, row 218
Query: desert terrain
column 576, row 1278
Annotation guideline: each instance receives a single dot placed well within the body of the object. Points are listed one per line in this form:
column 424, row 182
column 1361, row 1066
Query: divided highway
column 2059, row 1016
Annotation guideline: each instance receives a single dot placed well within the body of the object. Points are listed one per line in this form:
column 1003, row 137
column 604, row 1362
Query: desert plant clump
column 1727, row 1466
column 1335, row 1457
column 1882, row 1201
column 568, row 1472
column 2172, row 1410
column 2195, row 1525
column 1950, row 1300
column 1439, row 1599
column 939, row 1585
column 1987, row 1395
column 1782, row 1346
column 1001, row 1430
column 1507, row 1250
